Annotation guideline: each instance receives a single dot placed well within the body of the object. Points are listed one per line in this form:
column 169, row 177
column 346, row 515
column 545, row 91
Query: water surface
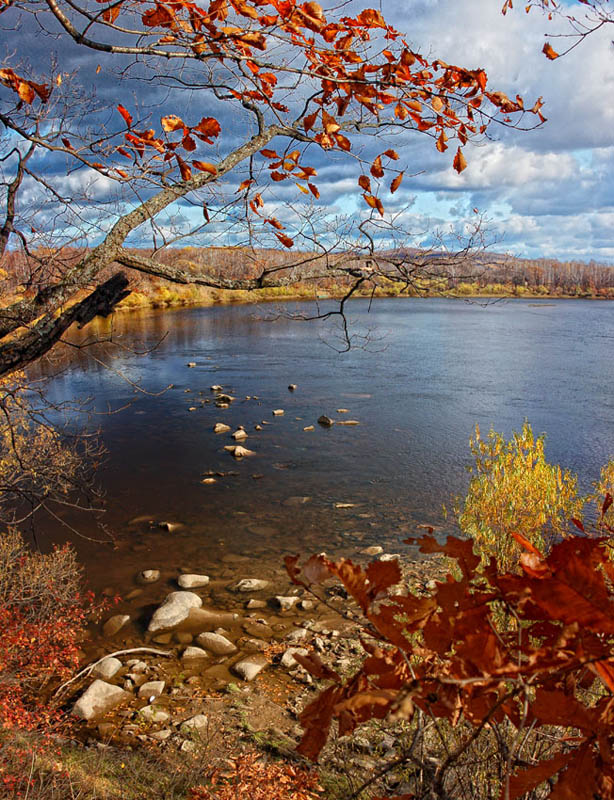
column 430, row 370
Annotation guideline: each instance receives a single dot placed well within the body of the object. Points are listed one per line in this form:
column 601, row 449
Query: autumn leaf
column 126, row 115
column 204, row 166
column 172, row 123
column 459, row 162
column 376, row 168
column 529, row 779
column 549, row 51
column 396, row 183
column 364, row 183
column 285, row 240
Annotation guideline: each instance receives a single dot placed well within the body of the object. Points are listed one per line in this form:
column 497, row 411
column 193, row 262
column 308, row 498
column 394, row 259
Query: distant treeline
column 308, row 274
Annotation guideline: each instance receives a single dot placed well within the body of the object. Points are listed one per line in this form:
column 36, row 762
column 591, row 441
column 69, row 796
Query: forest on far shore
column 307, row 275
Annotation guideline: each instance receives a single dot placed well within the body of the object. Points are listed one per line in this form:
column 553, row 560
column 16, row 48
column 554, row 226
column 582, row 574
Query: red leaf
column 126, row 115
column 529, row 779
column 376, row 168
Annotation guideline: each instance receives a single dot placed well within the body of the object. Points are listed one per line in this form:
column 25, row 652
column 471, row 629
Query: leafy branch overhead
column 532, row 650
column 248, row 97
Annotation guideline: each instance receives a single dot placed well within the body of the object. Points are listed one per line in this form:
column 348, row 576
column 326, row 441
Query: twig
column 90, row 667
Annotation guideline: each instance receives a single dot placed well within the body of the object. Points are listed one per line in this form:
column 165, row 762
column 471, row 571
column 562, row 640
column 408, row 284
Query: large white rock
column 216, row 643
column 99, row 698
column 192, row 581
column 174, row 610
column 107, row 668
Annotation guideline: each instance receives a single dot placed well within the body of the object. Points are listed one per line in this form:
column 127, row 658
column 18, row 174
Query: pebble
column 248, row 585
column 248, row 668
column 194, row 724
column 278, row 412
column 216, row 643
column 107, row 668
column 220, row 427
column 115, row 624
column 326, row 421
column 288, row 660
column 153, row 714
column 286, row 603
column 374, row 550
column 192, row 581
column 149, row 576
column 151, row 689
column 192, row 653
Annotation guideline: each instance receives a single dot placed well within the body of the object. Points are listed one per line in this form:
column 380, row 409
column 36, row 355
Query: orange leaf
column 285, row 240
column 204, row 166
column 269, row 154
column 209, row 127
column 376, row 168
column 244, row 185
column 172, row 123
column 549, row 52
column 391, row 154
column 459, row 162
column 396, row 183
column 126, row 115
column 364, row 183
column 314, row 190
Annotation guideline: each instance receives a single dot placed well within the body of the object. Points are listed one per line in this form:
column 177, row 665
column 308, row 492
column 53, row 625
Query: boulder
column 238, row 451
column 162, row 735
column 192, row 581
column 99, row 698
column 174, row 610
column 107, row 668
column 248, row 585
column 216, row 643
column 114, row 624
column 151, row 689
column 239, row 435
column 248, row 668
column 220, row 427
column 326, row 421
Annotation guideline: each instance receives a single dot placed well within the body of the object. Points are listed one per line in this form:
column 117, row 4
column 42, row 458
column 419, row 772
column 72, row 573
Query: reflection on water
column 434, row 369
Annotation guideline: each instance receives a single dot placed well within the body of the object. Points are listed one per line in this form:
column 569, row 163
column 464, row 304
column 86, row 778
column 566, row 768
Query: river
column 426, row 373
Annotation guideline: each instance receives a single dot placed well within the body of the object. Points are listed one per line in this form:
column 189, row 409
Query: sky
column 547, row 192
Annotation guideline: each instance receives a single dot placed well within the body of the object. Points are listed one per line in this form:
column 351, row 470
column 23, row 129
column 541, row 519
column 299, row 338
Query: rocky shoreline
column 214, row 660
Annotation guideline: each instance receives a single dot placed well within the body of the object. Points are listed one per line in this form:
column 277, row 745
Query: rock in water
column 192, row 581
column 220, row 427
column 99, row 698
column 216, row 643
column 326, row 421
column 174, row 610
column 248, row 585
column 115, row 624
